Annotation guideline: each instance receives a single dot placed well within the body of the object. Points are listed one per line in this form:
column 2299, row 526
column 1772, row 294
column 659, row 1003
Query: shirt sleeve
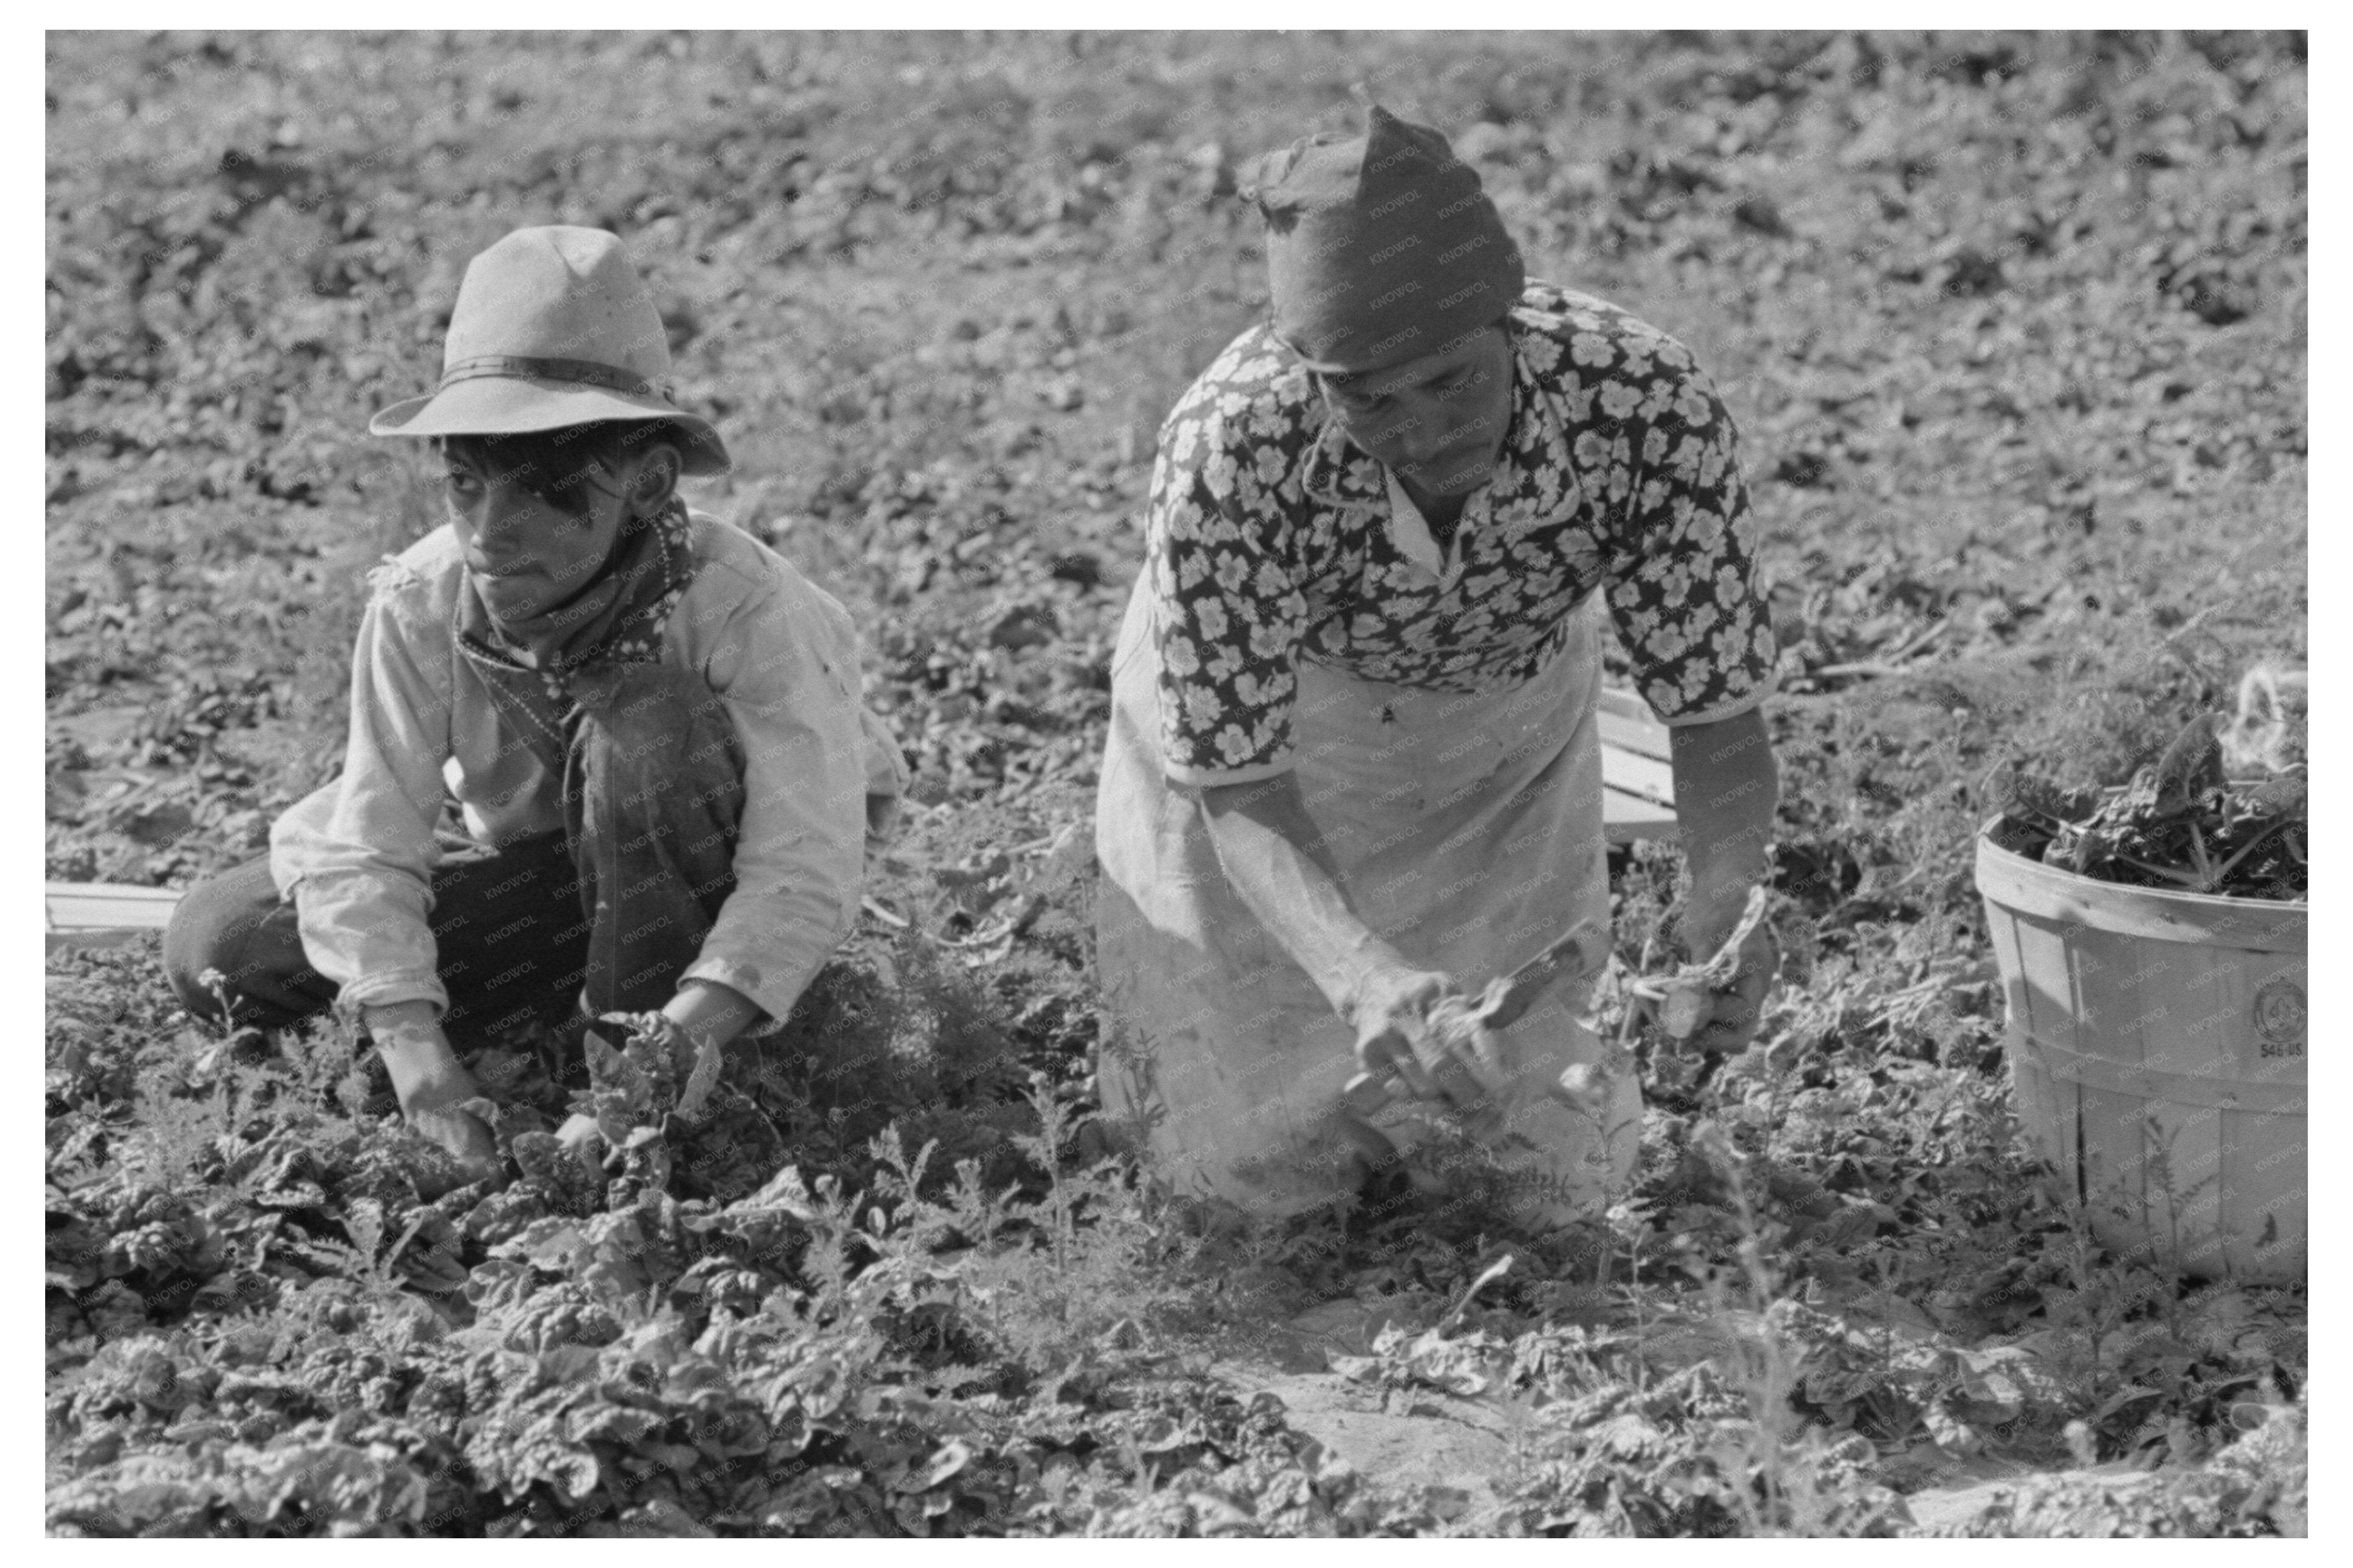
column 357, row 856
column 1685, row 593
column 787, row 674
column 1229, row 616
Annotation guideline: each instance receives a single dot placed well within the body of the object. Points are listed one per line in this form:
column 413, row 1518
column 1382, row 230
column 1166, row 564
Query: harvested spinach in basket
column 2180, row 823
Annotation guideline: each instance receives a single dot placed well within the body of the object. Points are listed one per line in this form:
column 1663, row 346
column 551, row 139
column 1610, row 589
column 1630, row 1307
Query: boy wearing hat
column 1354, row 767
column 606, row 753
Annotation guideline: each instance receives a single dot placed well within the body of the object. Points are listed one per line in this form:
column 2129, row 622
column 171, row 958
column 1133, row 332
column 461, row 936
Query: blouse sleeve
column 1684, row 593
column 1228, row 616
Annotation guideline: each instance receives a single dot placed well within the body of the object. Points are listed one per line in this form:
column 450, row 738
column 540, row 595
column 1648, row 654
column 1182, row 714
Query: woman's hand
column 1734, row 1004
column 1396, row 1037
column 1733, row 1010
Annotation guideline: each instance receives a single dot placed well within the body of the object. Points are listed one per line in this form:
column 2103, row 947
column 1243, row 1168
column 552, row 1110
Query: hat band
column 587, row 372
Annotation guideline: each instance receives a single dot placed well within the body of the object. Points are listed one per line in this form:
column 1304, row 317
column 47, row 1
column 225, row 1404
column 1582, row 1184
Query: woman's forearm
column 1727, row 787
column 1269, row 849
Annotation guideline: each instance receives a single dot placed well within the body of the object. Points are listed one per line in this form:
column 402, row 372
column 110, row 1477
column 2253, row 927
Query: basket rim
column 2032, row 886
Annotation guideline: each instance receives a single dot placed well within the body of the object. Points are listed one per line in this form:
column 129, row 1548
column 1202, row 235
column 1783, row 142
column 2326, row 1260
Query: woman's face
column 1436, row 422
column 531, row 551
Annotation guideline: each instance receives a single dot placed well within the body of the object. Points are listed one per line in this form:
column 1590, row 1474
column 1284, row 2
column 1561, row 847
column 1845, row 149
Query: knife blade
column 1508, row 998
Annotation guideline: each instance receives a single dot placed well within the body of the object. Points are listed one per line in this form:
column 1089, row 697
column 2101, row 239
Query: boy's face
column 531, row 551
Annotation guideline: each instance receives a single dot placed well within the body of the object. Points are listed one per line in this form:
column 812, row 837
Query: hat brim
column 521, row 406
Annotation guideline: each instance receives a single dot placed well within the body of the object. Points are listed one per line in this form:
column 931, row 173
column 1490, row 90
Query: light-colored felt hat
column 553, row 327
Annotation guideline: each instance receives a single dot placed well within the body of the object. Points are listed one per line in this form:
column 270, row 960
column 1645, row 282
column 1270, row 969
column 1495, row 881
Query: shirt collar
column 1535, row 441
column 1336, row 474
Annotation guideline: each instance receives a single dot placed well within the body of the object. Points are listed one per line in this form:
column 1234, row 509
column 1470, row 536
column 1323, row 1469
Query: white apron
column 1468, row 833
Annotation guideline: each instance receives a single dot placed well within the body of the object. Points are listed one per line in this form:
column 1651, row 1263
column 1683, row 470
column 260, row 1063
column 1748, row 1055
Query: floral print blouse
column 1271, row 539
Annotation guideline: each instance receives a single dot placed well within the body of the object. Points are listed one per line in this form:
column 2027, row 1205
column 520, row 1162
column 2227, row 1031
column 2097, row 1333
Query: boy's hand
column 433, row 1087
column 459, row 1133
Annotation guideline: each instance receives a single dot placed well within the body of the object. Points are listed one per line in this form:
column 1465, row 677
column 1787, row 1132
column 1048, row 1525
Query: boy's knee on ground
column 209, row 929
column 224, row 926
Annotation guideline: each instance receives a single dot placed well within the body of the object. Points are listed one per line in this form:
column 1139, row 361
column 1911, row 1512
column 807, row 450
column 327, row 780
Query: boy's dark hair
column 562, row 466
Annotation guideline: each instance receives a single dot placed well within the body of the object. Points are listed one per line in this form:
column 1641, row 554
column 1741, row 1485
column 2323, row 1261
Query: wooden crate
column 104, row 914
column 1638, row 786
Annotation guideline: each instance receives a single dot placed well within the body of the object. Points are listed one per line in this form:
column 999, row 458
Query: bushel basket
column 2156, row 1044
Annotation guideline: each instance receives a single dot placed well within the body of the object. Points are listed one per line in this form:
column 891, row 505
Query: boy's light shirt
column 357, row 855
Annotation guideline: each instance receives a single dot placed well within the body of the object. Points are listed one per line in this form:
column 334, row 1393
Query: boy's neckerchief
column 617, row 619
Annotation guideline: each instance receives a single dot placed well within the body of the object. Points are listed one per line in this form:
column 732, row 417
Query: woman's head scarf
column 1381, row 248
